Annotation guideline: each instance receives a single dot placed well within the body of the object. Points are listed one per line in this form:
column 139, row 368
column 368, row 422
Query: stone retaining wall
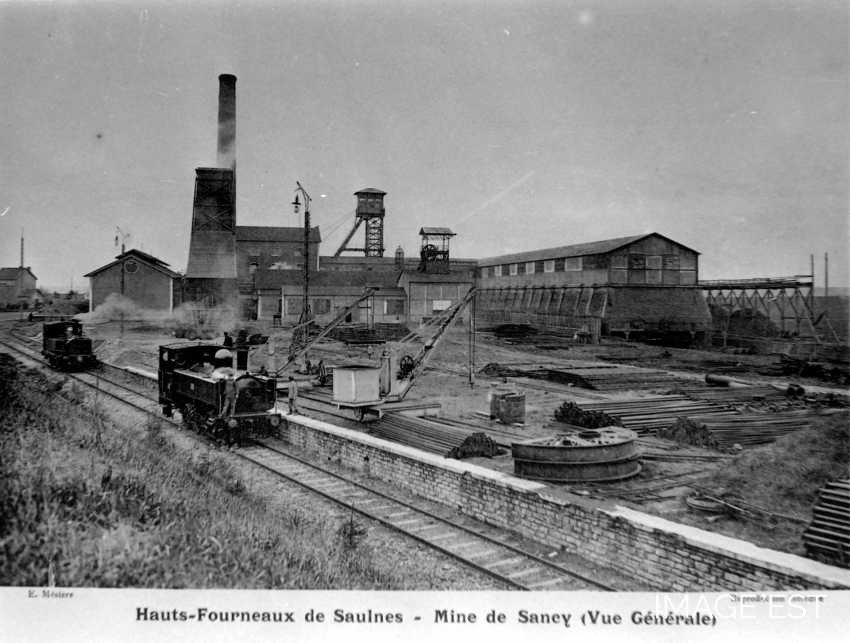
column 665, row 555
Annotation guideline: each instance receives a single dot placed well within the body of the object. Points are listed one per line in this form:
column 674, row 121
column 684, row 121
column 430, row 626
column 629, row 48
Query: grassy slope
column 84, row 502
column 785, row 477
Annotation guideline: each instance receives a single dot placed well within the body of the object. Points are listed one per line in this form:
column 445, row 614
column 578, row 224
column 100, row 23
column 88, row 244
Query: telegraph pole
column 123, row 236
column 306, row 314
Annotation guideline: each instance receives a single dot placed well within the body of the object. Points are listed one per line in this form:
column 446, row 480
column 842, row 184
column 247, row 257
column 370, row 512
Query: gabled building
column 643, row 286
column 17, row 285
column 146, row 280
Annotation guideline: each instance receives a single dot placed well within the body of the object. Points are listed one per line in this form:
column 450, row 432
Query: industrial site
column 591, row 414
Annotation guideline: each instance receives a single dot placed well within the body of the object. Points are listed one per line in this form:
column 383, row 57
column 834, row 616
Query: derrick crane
column 410, row 366
column 297, row 349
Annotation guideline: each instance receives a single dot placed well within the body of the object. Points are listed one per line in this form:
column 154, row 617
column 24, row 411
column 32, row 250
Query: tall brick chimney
column 227, row 121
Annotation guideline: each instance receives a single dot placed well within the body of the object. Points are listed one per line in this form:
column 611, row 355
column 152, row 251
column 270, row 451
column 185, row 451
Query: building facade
column 147, row 281
column 17, row 286
column 643, row 286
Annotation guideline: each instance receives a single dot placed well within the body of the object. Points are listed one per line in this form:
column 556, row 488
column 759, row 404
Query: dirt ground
column 661, row 486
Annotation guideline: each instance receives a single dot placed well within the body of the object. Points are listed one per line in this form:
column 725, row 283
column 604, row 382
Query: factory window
column 559, row 265
column 497, row 271
column 572, row 263
column 512, row 269
column 529, row 268
column 293, row 305
column 440, row 305
column 549, row 265
column 321, row 306
column 619, row 261
column 394, row 307
column 619, row 276
column 520, row 269
column 687, row 277
column 129, row 266
column 671, row 262
column 653, row 262
column 538, row 266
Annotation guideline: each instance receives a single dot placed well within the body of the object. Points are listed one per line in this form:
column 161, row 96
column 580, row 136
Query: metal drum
column 589, row 455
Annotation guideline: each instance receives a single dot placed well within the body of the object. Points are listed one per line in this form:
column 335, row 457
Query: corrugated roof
column 444, row 231
column 143, row 257
column 12, row 273
column 575, row 250
column 274, row 233
column 212, row 255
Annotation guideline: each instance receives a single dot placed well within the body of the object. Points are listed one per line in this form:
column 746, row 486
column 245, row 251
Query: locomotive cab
column 193, row 379
column 65, row 346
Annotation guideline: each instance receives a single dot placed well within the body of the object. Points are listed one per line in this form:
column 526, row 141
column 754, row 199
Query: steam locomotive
column 193, row 378
column 65, row 347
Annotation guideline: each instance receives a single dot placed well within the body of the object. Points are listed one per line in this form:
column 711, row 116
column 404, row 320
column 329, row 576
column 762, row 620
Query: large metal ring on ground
column 591, row 455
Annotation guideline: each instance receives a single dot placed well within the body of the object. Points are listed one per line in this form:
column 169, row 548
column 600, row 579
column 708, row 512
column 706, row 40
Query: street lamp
column 306, row 313
column 252, row 268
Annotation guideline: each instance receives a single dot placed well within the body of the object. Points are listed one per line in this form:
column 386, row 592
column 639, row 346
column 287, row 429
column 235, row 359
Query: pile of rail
column 648, row 414
column 433, row 437
column 607, row 377
column 749, row 429
column 358, row 333
column 828, row 535
column 730, row 396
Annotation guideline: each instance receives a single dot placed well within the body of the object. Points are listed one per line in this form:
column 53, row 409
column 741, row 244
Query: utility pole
column 123, row 236
column 21, row 278
column 302, row 329
column 472, row 343
column 825, row 276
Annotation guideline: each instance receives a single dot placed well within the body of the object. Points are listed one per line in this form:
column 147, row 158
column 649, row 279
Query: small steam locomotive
column 65, row 347
column 194, row 380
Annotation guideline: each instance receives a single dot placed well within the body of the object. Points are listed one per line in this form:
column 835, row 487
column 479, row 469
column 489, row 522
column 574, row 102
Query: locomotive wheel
column 191, row 418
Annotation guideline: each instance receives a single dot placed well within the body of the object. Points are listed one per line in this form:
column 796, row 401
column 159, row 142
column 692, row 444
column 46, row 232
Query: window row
column 322, row 306
column 531, row 267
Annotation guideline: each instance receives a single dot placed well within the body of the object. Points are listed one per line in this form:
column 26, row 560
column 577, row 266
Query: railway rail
column 493, row 556
column 488, row 553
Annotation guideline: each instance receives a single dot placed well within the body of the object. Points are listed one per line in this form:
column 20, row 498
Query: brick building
column 148, row 281
column 17, row 285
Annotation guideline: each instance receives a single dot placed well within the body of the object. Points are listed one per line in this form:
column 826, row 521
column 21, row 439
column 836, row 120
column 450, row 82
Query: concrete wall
column 663, row 554
column 147, row 287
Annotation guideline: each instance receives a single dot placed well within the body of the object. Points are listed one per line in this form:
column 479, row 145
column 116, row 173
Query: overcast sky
column 520, row 125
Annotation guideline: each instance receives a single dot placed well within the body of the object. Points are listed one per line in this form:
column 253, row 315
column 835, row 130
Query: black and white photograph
column 410, row 320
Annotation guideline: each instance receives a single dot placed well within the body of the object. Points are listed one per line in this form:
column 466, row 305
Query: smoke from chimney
column 227, row 121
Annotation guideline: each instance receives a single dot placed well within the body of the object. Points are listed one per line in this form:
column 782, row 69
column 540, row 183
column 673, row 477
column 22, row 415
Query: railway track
column 96, row 381
column 488, row 554
column 470, row 545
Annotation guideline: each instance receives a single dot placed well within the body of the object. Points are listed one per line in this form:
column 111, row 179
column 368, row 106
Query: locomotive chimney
column 227, row 121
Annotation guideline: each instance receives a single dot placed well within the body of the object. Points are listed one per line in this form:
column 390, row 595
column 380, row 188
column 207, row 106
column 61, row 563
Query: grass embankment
column 84, row 502
column 784, row 477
